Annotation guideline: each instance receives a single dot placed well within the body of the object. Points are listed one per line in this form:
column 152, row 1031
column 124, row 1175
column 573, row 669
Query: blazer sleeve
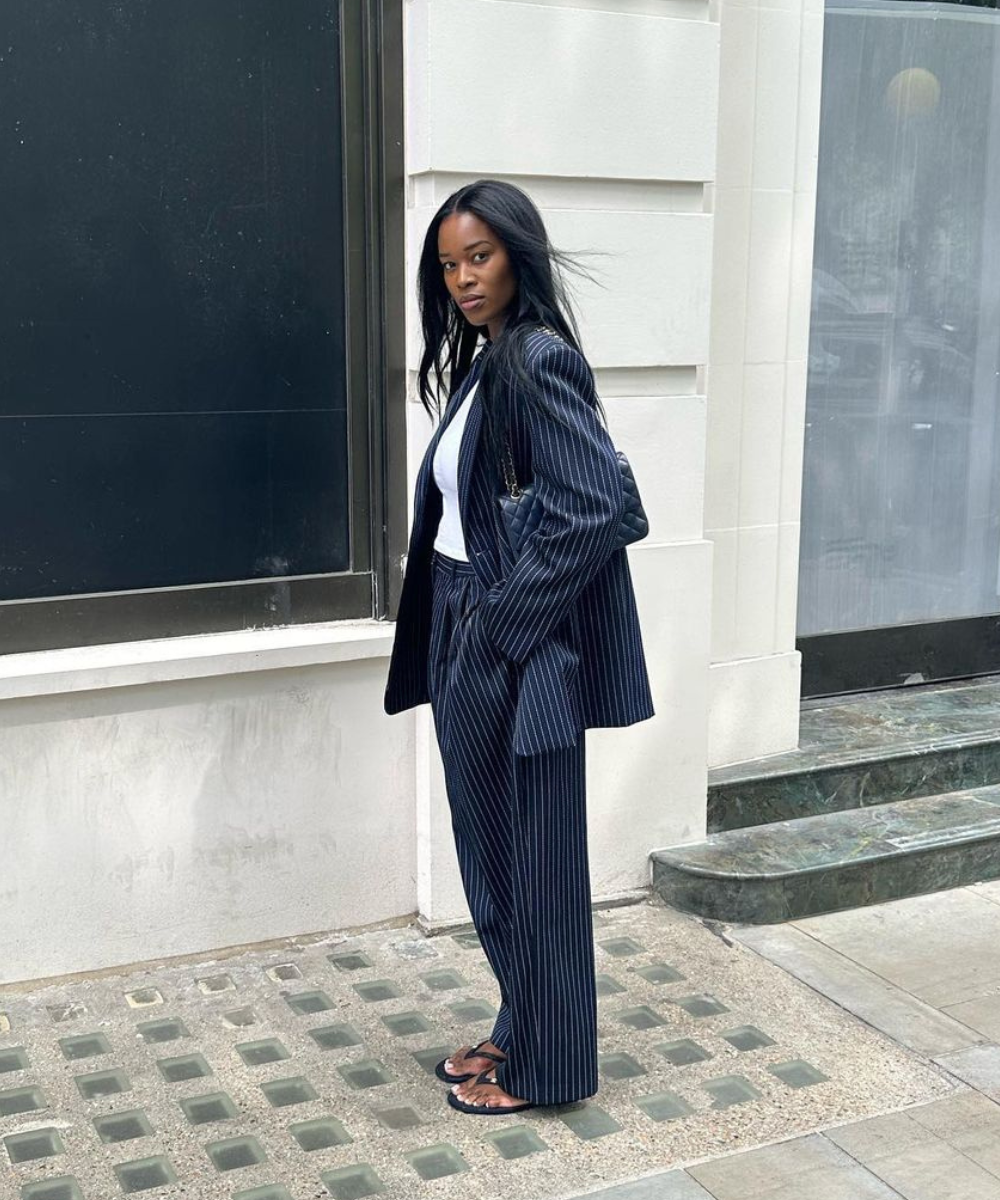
column 579, row 486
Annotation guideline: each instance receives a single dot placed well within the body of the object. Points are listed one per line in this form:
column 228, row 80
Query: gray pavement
column 848, row 1056
column 925, row 972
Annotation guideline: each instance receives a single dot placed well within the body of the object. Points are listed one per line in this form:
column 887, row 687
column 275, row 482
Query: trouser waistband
column 453, row 566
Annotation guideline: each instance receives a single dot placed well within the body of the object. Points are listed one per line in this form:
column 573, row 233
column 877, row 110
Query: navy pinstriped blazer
column 564, row 607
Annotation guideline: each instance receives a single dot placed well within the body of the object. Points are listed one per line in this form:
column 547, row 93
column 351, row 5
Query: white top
column 450, row 539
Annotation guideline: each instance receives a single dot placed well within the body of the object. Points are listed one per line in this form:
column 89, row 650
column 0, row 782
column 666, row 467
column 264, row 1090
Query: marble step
column 837, row 860
column 870, row 748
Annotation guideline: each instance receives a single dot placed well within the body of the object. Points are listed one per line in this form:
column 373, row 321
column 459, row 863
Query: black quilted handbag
column 522, row 511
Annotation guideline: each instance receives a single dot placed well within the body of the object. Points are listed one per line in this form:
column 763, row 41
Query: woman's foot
column 458, row 1064
column 488, row 1094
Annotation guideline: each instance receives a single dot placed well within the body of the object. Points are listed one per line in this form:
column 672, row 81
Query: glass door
column 899, row 578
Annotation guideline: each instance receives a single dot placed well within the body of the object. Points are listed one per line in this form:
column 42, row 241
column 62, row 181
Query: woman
column 517, row 654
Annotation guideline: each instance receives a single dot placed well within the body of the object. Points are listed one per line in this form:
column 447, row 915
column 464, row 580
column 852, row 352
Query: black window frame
column 374, row 256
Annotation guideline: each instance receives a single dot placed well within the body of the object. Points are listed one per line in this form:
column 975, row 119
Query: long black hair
column 450, row 341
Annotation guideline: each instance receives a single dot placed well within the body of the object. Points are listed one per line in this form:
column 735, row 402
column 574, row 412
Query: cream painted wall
column 764, row 205
column 187, row 814
column 606, row 115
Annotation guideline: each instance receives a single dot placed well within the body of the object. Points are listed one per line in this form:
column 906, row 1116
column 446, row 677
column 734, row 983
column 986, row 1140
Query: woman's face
column 477, row 271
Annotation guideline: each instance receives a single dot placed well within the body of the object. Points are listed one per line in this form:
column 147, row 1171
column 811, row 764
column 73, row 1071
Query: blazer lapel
column 477, row 496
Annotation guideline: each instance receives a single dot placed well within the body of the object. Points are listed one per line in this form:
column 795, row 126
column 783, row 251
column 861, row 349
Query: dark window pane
column 901, row 488
column 169, row 500
column 172, row 394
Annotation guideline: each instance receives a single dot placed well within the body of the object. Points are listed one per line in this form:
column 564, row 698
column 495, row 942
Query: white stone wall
column 169, row 797
column 764, row 208
column 606, row 115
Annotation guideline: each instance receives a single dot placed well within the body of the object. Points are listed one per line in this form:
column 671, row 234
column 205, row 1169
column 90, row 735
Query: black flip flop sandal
column 486, row 1110
column 475, row 1052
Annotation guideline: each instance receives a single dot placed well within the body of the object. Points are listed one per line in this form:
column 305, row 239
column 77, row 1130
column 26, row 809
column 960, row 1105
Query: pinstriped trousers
column 521, row 837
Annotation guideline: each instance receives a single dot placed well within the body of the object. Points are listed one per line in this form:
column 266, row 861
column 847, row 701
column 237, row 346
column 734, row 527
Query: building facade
column 226, row 775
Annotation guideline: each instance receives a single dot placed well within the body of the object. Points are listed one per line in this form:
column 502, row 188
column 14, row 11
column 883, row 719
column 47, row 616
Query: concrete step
column 837, row 860
column 867, row 749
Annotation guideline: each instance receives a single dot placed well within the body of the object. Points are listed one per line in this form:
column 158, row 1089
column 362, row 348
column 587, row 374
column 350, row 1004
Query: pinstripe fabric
column 564, row 609
column 521, row 836
column 579, row 489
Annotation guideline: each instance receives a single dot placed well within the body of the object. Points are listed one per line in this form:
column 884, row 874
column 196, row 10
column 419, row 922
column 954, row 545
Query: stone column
column 764, row 203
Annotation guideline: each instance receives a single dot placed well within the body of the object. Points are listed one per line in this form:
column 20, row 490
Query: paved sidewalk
column 307, row 1072
column 926, row 973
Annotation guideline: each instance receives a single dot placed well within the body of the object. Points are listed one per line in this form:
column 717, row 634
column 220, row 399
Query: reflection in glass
column 901, row 496
column 172, row 391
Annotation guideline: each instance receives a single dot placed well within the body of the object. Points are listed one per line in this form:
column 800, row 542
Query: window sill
column 128, row 664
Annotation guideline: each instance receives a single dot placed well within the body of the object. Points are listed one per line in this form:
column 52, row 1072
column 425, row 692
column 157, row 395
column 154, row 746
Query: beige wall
column 168, row 797
column 764, row 205
column 606, row 115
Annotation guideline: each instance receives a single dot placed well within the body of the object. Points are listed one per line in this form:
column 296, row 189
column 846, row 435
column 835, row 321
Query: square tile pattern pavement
column 308, row 1071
